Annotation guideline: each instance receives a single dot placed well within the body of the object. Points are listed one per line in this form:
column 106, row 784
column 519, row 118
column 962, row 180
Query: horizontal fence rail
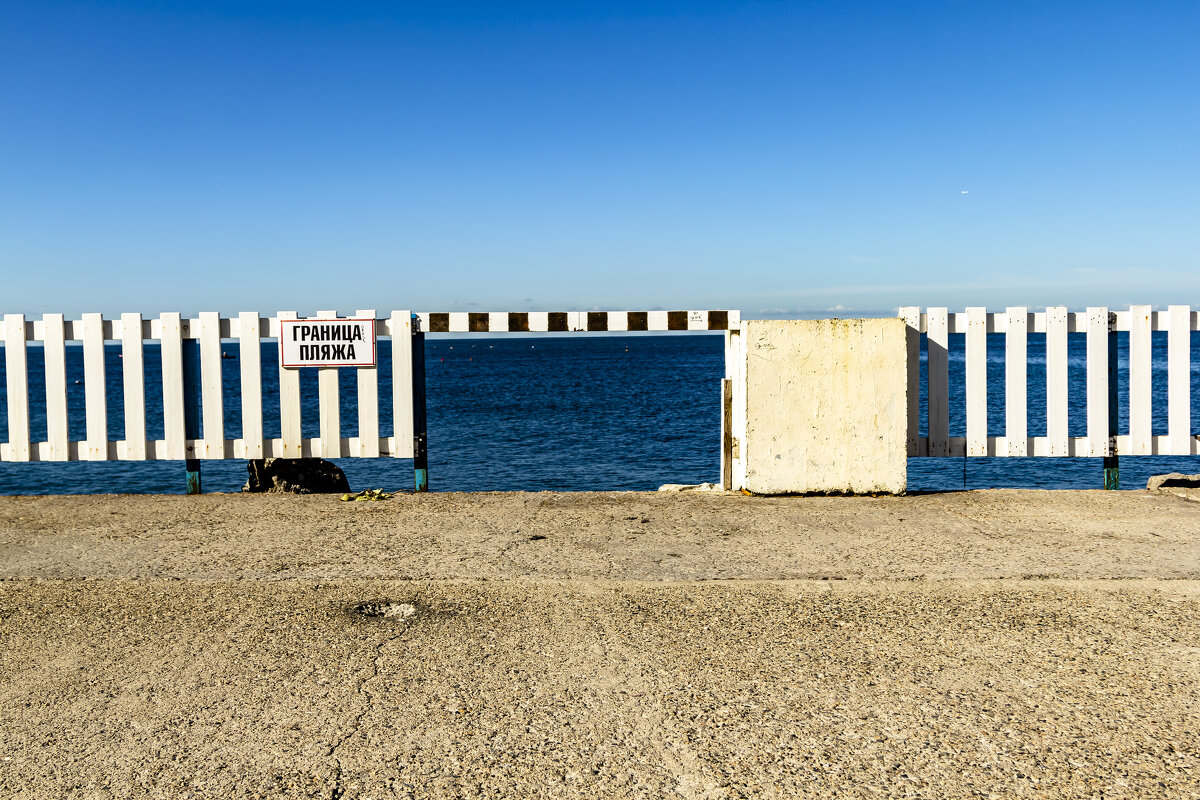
column 1100, row 328
column 193, row 412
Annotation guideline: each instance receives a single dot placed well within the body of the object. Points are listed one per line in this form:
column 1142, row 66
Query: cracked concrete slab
column 613, row 536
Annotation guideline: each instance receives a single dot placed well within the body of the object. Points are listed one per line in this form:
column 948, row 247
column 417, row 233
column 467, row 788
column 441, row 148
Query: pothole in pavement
column 384, row 609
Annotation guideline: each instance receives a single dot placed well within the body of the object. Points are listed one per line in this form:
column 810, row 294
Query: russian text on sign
column 327, row 342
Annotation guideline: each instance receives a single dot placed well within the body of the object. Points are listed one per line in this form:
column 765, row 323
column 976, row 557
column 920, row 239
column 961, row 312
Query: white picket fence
column 1015, row 323
column 170, row 331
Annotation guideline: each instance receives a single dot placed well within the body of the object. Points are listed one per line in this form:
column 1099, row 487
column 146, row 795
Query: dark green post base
column 1112, row 473
column 193, row 475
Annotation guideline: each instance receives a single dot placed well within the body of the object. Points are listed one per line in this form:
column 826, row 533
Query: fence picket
column 1098, row 440
column 1140, row 409
column 368, row 402
column 1016, row 399
column 134, row 384
column 212, row 403
column 95, row 400
column 976, row 380
column 291, row 442
column 174, row 428
column 402, row 376
column 938, row 381
column 329, row 405
column 16, row 370
column 250, row 361
column 1179, row 366
column 1057, row 439
column 54, row 338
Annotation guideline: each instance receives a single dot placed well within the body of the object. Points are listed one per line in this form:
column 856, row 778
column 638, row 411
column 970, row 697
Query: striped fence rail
column 182, row 434
column 1100, row 327
column 577, row 321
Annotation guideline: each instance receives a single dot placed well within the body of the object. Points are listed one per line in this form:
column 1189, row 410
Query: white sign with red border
column 327, row 342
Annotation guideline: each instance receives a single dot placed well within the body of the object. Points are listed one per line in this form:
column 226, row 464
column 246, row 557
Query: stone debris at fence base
column 295, row 476
column 1176, row 483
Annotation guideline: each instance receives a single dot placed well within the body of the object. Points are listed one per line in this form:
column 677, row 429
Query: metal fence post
column 420, row 440
column 191, row 409
column 1112, row 470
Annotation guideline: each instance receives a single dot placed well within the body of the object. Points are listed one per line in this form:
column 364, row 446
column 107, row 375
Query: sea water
column 570, row 413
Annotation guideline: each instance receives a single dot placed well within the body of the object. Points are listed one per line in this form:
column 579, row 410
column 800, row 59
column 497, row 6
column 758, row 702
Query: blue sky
column 779, row 158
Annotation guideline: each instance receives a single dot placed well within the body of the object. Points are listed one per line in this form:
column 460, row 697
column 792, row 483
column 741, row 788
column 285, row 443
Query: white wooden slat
column 402, row 379
column 1098, row 438
column 329, row 412
column 912, row 318
column 497, row 320
column 618, row 320
column 938, row 381
column 1179, row 367
column 976, row 381
column 368, row 400
column 291, row 442
column 95, row 398
column 212, row 403
column 55, row 353
column 656, row 320
column 329, row 405
column 17, row 372
column 459, row 322
column 134, row 383
column 1056, row 380
column 250, row 361
column 1140, row 409
column 174, row 427
column 1016, row 397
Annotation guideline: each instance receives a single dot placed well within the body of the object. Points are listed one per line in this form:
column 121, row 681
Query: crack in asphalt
column 338, row 789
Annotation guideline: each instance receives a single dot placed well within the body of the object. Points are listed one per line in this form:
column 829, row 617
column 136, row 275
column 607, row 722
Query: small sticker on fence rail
column 327, row 342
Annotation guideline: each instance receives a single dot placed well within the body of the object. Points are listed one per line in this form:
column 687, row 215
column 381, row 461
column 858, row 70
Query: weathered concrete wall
column 826, row 406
